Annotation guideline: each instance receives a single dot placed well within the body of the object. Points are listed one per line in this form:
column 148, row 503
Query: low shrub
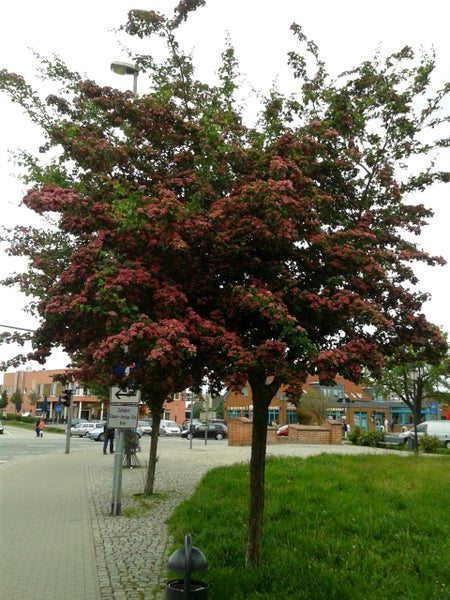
column 354, row 434
column 20, row 418
column 429, row 443
column 361, row 437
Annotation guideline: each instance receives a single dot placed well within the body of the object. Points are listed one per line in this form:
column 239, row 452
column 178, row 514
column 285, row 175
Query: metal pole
column 206, row 419
column 117, row 479
column 69, row 423
column 187, row 566
column 415, row 417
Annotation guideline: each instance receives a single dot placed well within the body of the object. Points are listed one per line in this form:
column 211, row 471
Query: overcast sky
column 82, row 34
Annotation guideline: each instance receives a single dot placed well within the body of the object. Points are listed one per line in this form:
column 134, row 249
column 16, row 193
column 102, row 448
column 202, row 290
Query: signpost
column 434, row 408
column 68, row 396
column 128, row 396
column 123, row 414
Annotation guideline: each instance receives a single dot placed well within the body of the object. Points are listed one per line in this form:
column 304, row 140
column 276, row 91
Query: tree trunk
column 262, row 395
column 153, row 458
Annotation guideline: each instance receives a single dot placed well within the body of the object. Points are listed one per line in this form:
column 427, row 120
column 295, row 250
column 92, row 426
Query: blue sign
column 434, row 408
column 58, row 408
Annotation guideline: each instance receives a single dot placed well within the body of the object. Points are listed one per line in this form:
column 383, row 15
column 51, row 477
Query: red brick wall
column 240, row 432
column 329, row 432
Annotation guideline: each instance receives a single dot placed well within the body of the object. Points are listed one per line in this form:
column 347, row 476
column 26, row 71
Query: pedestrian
column 108, row 438
column 41, row 428
column 37, row 428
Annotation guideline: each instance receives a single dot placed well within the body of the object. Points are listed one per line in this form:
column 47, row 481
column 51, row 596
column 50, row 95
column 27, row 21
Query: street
column 17, row 444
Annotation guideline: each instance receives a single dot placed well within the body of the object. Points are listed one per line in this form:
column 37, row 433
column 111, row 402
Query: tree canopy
column 203, row 248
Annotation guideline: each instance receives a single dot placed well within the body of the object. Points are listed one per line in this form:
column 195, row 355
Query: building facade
column 41, row 396
column 347, row 402
column 38, row 394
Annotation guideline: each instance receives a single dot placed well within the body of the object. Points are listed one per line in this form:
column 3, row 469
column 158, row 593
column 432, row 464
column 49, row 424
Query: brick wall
column 329, row 432
column 240, row 432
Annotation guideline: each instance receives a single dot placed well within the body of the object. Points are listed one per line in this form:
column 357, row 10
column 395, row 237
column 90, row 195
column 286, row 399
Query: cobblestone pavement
column 132, row 551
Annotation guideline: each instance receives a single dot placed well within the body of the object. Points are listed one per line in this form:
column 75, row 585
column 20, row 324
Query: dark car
column 217, row 431
column 190, row 423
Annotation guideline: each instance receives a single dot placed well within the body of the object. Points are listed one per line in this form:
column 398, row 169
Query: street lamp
column 121, row 68
column 414, row 376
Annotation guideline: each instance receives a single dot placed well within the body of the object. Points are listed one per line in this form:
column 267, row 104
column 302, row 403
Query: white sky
column 82, row 35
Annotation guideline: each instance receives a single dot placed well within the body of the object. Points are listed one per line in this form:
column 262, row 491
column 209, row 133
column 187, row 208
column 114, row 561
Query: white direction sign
column 123, row 416
column 116, row 394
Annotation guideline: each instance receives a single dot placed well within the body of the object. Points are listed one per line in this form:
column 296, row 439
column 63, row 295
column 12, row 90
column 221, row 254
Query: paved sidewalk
column 46, row 546
column 58, row 540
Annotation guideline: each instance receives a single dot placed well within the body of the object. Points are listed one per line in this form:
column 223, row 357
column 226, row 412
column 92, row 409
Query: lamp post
column 414, row 376
column 121, row 68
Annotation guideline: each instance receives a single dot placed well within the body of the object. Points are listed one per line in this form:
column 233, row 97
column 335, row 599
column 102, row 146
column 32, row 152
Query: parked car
column 283, row 430
column 190, row 423
column 98, row 435
column 217, row 431
column 84, row 429
column 169, row 428
column 75, row 422
column 146, row 427
column 440, row 429
column 1, row 428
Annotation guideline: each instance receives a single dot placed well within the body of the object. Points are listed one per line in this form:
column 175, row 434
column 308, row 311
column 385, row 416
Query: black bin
column 187, row 560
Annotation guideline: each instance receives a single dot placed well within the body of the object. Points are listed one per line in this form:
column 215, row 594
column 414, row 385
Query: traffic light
column 66, row 396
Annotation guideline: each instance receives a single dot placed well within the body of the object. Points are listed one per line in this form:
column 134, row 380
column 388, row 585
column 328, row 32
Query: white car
column 169, row 428
column 146, row 427
column 440, row 429
column 85, row 429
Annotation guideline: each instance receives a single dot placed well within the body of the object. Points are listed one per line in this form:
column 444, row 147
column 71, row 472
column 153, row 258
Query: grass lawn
column 335, row 527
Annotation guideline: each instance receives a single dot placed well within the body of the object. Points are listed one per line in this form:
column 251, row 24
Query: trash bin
column 187, row 560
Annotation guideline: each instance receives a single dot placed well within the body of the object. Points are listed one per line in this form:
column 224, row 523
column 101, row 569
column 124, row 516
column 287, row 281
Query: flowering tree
column 191, row 244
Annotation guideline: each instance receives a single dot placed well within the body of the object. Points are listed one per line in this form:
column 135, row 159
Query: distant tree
column 219, row 410
column 33, row 397
column 17, row 399
column 197, row 408
column 3, row 400
column 317, row 403
column 416, row 382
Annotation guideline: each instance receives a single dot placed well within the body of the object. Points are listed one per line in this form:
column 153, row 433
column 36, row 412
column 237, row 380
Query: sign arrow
column 129, row 396
column 120, row 393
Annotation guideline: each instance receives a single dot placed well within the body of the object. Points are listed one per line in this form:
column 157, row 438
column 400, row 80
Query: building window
column 272, row 416
column 233, row 413
column 291, row 416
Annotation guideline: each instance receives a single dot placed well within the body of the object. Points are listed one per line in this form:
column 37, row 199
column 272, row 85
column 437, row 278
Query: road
column 18, row 444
